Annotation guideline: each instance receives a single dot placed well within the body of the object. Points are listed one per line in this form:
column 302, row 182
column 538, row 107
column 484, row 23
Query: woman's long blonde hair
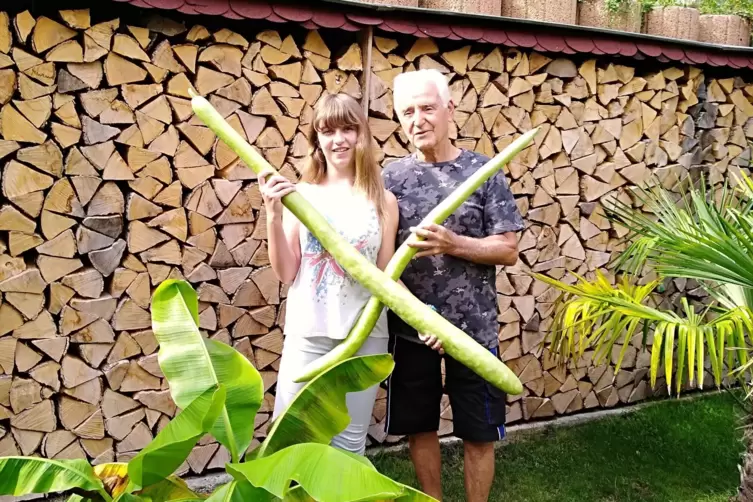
column 340, row 110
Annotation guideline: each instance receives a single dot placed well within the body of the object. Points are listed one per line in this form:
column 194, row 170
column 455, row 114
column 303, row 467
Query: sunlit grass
column 670, row 451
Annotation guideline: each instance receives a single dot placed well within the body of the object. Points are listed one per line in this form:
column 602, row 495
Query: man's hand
column 437, row 240
column 432, row 342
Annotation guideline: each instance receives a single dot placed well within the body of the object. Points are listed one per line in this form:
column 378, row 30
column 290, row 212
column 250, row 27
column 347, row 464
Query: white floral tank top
column 324, row 300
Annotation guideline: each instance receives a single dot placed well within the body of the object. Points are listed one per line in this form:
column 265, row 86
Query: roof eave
column 544, row 25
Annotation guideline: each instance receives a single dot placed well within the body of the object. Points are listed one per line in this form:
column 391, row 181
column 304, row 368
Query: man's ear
column 451, row 106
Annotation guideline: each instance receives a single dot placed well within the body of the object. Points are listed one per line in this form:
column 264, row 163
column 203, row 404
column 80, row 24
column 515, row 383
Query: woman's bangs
column 336, row 114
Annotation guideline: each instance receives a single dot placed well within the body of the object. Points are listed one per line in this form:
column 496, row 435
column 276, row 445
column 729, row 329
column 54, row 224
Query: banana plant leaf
column 312, row 466
column 297, row 494
column 319, row 412
column 78, row 498
column 173, row 444
column 193, row 364
column 240, row 491
column 170, row 489
column 129, row 497
column 27, row 475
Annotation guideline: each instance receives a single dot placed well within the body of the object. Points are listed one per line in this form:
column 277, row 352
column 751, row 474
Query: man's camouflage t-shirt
column 462, row 291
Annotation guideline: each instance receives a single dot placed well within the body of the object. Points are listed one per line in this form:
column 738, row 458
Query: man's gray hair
column 417, row 79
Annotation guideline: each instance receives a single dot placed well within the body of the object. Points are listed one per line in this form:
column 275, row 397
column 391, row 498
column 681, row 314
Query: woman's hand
column 273, row 188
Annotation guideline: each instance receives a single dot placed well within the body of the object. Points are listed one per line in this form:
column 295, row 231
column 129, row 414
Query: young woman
column 343, row 181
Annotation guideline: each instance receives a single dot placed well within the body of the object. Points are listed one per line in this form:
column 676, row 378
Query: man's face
column 423, row 116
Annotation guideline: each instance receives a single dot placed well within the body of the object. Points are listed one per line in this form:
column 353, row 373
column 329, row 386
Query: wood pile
column 605, row 128
column 110, row 185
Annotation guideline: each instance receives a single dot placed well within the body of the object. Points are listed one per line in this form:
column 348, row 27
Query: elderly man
column 454, row 272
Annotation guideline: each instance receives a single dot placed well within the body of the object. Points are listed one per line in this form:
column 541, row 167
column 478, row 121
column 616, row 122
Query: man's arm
column 493, row 250
column 501, row 249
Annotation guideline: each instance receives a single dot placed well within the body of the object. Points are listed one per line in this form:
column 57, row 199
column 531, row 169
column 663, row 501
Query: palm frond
column 597, row 315
column 705, row 235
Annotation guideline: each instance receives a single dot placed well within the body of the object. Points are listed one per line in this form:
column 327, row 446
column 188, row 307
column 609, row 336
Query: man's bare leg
column 427, row 460
column 479, row 470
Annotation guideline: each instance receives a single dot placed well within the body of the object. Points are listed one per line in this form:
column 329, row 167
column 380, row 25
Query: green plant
column 219, row 392
column 705, row 235
column 615, row 7
column 742, row 8
column 397, row 264
column 595, row 314
column 455, row 342
column 647, row 5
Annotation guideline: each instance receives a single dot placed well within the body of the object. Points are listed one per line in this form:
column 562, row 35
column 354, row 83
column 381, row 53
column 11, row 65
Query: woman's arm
column 284, row 248
column 389, row 233
column 282, row 228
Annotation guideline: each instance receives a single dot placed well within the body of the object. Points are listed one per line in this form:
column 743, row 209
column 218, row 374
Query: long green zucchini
column 373, row 309
column 414, row 312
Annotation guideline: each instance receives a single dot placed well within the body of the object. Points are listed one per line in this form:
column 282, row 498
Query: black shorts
column 414, row 395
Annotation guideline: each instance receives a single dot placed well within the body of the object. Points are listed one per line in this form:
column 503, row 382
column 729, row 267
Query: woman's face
column 339, row 146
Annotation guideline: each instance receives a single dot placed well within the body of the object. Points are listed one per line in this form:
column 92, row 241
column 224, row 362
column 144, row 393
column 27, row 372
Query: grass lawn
column 671, row 451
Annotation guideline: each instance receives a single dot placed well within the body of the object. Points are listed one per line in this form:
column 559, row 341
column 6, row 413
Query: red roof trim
column 581, row 44
column 649, row 49
column 551, row 39
column 258, row 10
column 276, row 19
column 628, row 49
column 436, row 30
column 365, row 20
column 473, row 33
column 297, row 14
column 496, row 37
column 163, row 4
column 522, row 39
column 552, row 43
column 696, row 57
column 210, row 7
column 401, row 26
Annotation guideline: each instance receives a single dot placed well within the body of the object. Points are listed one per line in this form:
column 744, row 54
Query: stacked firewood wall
column 110, row 185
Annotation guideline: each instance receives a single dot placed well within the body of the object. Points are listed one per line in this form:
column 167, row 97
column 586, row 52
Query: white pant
column 299, row 352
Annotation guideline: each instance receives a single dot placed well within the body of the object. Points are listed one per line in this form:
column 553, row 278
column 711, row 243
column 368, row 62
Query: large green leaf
column 297, row 494
column 171, row 488
column 325, row 473
column 240, row 491
column 319, row 411
column 192, row 364
column 26, row 475
column 129, row 497
column 174, row 442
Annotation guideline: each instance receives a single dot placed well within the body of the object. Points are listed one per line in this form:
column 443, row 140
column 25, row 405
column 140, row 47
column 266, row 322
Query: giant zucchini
column 414, row 312
column 371, row 312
